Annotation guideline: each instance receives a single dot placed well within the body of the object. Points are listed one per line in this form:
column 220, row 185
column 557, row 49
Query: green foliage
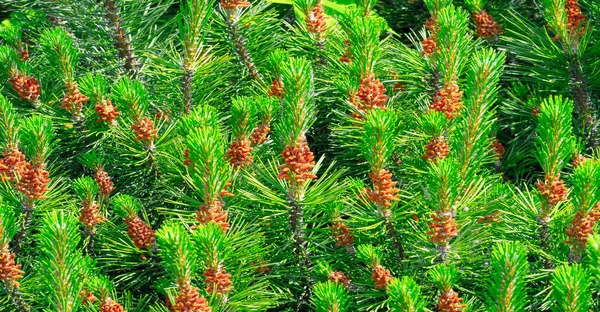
column 405, row 295
column 330, row 296
column 508, row 288
column 570, row 289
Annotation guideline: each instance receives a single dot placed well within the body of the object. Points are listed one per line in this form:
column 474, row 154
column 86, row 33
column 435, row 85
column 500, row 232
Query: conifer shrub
column 309, row 155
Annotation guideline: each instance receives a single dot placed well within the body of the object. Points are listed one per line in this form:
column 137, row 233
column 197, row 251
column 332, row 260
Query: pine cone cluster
column 485, row 25
column 575, row 18
column 10, row 271
column 259, row 134
column 234, row 4
column 107, row 112
column 33, row 181
column 347, row 57
column 213, row 213
column 189, row 300
column 384, row 189
column 370, row 94
column 140, row 233
column 315, row 19
column 578, row 160
column 450, row 302
column 87, row 297
column 90, row 216
column 341, row 233
column 12, row 164
column 498, row 148
column 442, row 228
column 144, row 130
column 436, row 148
column 276, row 88
column 553, row 189
column 430, row 44
column 239, row 153
column 581, row 227
column 217, row 279
column 339, row 277
column 447, row 100
column 109, row 305
column 104, row 181
column 299, row 162
column 27, row 87
column 381, row 277
column 73, row 101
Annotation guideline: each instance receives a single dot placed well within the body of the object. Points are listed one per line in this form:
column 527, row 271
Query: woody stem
column 27, row 208
column 297, row 227
column 394, row 236
column 241, row 49
column 17, row 299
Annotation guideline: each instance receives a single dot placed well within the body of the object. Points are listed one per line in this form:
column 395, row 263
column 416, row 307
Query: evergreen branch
column 405, row 295
column 571, row 289
column 120, row 38
column 507, row 288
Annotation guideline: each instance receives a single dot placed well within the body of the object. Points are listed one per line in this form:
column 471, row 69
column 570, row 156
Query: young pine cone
column 73, row 101
column 381, row 277
column 33, row 181
column 315, row 19
column 10, row 271
column 239, row 153
column 581, row 227
column 371, row 93
column 109, row 305
column 144, row 130
column 451, row 302
column 189, row 300
column 12, row 164
column 213, row 213
column 259, row 134
column 107, row 112
column 299, row 162
column 90, row 216
column 339, row 277
column 436, row 148
column 140, row 233
column 447, row 100
column 553, row 189
column 485, row 26
column 384, row 189
column 234, row 4
column 217, row 279
column 276, row 88
column 342, row 235
column 27, row 87
column 104, row 181
column 442, row 228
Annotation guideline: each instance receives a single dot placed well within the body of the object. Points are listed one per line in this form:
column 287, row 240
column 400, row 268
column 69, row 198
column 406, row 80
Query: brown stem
column 321, row 45
column 297, row 226
column 544, row 236
column 583, row 104
column 242, row 51
column 27, row 208
column 187, row 81
column 394, row 236
column 121, row 42
column 16, row 298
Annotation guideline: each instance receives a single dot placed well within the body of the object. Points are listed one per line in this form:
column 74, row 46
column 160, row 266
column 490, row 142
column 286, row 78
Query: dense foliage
column 307, row 155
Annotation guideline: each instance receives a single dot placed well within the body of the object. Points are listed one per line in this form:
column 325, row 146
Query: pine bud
column 109, row 305
column 436, row 149
column 73, row 101
column 217, row 279
column 447, row 100
column 12, row 164
column 553, row 189
column 103, row 179
column 485, row 26
column 342, row 235
column 144, row 130
column 299, row 162
column 450, row 302
column 259, row 134
column 315, row 19
column 384, row 190
column 189, row 300
column 213, row 213
column 276, row 88
column 27, row 87
column 443, row 228
column 33, row 181
column 339, row 277
column 239, row 153
column 10, row 271
column 140, row 233
column 381, row 277
column 107, row 112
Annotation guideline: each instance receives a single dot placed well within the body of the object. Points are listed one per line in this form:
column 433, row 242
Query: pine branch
column 120, row 38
